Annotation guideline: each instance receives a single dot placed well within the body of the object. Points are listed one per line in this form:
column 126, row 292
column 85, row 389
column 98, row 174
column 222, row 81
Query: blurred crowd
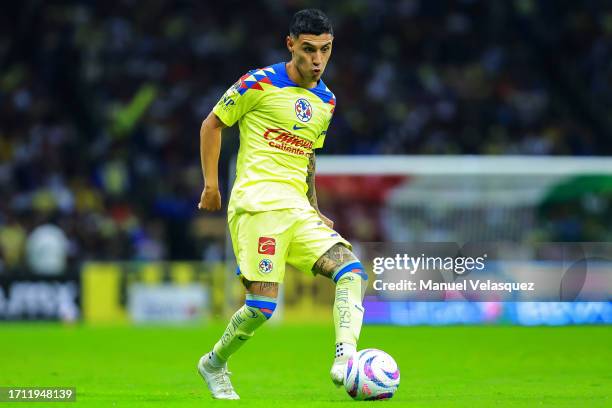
column 101, row 102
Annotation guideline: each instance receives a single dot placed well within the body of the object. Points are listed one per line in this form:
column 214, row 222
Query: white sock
column 344, row 350
column 215, row 360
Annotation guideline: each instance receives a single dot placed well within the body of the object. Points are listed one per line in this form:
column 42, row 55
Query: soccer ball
column 371, row 374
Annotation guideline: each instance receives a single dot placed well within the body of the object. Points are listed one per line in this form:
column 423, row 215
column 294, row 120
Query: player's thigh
column 260, row 242
column 311, row 240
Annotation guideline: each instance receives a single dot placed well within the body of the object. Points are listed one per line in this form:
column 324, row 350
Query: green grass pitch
column 287, row 365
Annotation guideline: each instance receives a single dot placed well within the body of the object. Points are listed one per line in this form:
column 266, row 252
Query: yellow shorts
column 264, row 241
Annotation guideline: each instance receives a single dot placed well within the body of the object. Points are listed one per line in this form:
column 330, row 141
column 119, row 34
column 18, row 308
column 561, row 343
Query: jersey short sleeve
column 235, row 103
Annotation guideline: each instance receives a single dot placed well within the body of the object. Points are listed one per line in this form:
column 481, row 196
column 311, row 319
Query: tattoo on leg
column 334, row 258
column 267, row 285
column 269, row 289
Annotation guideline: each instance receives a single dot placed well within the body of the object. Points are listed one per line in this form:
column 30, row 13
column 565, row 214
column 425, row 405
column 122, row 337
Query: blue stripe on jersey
column 280, row 79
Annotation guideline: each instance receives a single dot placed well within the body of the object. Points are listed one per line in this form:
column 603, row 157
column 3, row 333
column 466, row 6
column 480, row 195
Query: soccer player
column 283, row 112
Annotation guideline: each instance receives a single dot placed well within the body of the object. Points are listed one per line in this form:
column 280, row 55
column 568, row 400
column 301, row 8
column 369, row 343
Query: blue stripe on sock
column 238, row 271
column 349, row 268
column 261, row 304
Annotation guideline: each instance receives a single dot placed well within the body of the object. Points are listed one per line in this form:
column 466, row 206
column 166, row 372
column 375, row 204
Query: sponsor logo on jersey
column 285, row 140
column 229, row 98
column 303, row 110
column 266, row 246
column 227, row 102
column 265, row 265
column 296, row 127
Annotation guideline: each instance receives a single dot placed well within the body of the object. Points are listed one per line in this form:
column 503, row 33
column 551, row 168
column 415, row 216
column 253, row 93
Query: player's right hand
column 210, row 199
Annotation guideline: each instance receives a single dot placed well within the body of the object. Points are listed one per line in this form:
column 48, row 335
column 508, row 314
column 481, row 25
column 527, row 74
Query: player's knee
column 355, row 268
column 265, row 305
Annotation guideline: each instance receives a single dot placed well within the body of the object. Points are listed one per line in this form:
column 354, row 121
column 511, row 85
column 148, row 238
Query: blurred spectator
column 47, row 250
column 101, row 102
column 12, row 242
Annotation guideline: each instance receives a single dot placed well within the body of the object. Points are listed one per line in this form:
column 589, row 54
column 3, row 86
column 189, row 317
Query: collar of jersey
column 281, row 68
column 282, row 80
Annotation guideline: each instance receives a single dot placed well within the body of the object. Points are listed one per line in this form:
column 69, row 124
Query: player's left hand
column 326, row 221
column 210, row 199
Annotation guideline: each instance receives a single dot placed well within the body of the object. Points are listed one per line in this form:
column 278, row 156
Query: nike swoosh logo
column 296, row 127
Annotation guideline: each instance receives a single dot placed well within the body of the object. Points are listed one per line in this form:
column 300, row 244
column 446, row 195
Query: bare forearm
column 312, row 193
column 210, row 149
column 310, row 182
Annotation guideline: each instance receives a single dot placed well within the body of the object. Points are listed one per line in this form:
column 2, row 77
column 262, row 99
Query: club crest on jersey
column 265, row 266
column 303, row 110
column 266, row 246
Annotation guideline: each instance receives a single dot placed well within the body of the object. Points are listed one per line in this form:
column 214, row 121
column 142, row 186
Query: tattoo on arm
column 333, row 259
column 310, row 182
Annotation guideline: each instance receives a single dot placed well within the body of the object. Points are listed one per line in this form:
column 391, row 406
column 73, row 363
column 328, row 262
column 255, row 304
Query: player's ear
column 290, row 43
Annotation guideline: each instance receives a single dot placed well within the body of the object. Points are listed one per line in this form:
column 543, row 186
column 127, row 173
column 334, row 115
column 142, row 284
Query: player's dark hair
column 310, row 21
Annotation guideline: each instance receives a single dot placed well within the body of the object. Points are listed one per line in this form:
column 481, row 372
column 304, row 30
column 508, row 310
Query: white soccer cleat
column 344, row 351
column 217, row 379
column 338, row 370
